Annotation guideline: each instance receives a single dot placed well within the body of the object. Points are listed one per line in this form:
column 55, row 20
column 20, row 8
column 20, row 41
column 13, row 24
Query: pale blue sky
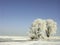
column 17, row 15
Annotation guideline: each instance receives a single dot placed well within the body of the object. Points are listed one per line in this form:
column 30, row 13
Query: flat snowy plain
column 20, row 40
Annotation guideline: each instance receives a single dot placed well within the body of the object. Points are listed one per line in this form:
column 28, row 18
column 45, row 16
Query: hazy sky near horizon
column 16, row 16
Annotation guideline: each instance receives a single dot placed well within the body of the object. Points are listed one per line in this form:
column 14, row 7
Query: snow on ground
column 24, row 37
column 14, row 37
column 22, row 41
column 30, row 43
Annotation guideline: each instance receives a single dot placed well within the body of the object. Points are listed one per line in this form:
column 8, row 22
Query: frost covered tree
column 37, row 28
column 41, row 28
column 51, row 27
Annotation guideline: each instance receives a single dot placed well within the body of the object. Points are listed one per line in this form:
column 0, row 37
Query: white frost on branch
column 52, row 24
column 37, row 28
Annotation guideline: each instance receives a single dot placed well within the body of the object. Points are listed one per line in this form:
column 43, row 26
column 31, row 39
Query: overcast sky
column 16, row 16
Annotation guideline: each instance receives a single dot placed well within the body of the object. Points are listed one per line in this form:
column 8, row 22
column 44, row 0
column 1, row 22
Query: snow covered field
column 30, row 43
column 22, row 41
